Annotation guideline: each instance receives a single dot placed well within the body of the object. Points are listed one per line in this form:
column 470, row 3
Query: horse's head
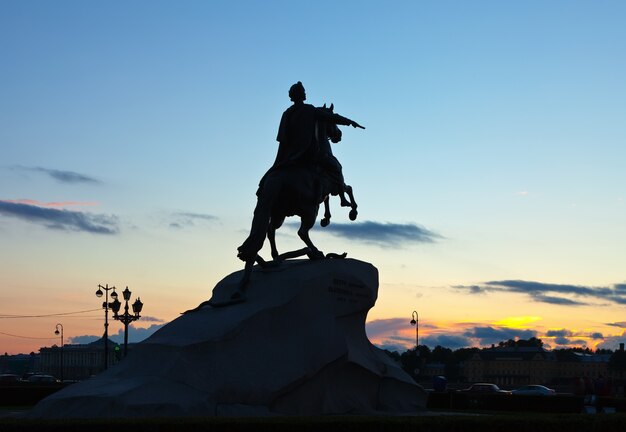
column 332, row 130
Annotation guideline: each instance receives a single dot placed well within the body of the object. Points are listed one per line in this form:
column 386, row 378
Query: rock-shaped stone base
column 297, row 346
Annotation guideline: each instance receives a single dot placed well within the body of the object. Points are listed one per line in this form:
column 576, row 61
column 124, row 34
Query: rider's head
column 297, row 93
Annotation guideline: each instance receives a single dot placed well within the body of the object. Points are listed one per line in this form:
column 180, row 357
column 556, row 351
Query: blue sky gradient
column 494, row 152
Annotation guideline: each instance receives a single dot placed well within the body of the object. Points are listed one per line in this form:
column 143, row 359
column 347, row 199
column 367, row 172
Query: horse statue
column 326, row 177
column 295, row 190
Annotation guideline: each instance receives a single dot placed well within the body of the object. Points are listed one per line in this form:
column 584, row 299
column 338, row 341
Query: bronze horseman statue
column 304, row 173
column 303, row 176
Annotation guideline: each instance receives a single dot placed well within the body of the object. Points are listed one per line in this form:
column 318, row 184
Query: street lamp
column 57, row 332
column 126, row 318
column 415, row 322
column 106, row 306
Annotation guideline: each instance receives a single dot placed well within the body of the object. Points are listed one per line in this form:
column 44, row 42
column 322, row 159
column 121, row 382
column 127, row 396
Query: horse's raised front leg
column 353, row 213
column 326, row 219
column 342, row 198
column 306, row 224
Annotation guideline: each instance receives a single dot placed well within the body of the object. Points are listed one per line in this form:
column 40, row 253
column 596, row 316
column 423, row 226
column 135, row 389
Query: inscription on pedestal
column 349, row 292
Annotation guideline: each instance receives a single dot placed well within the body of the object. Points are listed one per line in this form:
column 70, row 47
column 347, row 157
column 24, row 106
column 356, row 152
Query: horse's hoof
column 353, row 214
column 324, row 222
column 245, row 256
column 316, row 255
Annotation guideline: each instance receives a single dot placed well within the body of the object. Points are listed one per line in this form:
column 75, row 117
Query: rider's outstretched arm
column 321, row 114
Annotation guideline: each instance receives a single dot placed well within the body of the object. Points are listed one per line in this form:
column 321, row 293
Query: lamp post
column 57, row 332
column 415, row 322
column 126, row 318
column 106, row 306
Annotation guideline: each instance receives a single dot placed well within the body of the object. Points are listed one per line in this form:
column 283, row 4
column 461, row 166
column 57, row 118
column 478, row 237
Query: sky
column 490, row 176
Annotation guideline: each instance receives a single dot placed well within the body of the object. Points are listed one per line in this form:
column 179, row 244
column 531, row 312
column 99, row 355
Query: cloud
column 82, row 340
column 53, row 218
column 559, row 333
column 446, row 340
column 620, row 288
column 542, row 298
column 487, row 335
column 475, row 289
column 399, row 334
column 53, row 204
column 135, row 334
column 612, row 342
column 391, row 346
column 60, row 175
column 383, row 234
column 383, row 330
column 145, row 318
column 396, row 334
column 620, row 324
column 564, row 337
column 558, row 294
column 186, row 219
column 562, row 340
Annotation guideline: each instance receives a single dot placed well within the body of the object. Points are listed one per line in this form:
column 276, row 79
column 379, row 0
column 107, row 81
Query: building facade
column 517, row 366
column 77, row 362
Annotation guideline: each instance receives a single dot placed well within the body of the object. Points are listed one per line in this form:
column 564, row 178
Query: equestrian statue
column 304, row 175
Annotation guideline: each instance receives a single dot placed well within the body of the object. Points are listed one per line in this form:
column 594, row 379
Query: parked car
column 534, row 390
column 484, row 388
column 43, row 379
column 8, row 377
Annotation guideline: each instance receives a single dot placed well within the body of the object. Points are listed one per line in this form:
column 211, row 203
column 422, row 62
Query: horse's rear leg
column 274, row 224
column 353, row 213
column 326, row 219
column 306, row 224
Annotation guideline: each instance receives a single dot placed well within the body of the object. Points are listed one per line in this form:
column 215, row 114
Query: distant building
column 510, row 366
column 79, row 361
column 19, row 364
column 516, row 366
column 431, row 370
column 573, row 364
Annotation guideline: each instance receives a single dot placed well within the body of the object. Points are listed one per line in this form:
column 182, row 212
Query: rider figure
column 298, row 144
column 296, row 133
